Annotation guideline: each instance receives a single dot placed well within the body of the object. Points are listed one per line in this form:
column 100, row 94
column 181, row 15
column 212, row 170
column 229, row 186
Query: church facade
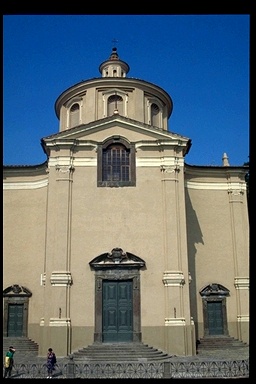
column 115, row 238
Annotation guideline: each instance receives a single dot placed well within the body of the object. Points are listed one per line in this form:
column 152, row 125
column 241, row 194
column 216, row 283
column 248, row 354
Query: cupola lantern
column 114, row 67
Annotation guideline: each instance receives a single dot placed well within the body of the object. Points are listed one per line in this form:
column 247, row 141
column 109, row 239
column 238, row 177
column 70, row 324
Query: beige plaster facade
column 158, row 252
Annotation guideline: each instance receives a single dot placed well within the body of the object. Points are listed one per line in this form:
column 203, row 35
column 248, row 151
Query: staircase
column 220, row 342
column 118, row 352
column 27, row 350
column 25, row 347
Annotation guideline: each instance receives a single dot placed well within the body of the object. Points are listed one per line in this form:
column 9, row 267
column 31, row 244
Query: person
column 8, row 363
column 197, row 345
column 51, row 361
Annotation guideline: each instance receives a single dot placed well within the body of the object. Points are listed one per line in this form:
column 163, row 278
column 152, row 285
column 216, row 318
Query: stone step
column 119, row 346
column 119, row 356
column 114, row 352
column 23, row 345
column 27, row 351
column 123, row 349
column 220, row 343
column 120, row 352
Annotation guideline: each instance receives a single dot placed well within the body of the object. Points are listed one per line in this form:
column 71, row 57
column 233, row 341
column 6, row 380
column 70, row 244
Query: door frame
column 16, row 294
column 210, row 293
column 117, row 265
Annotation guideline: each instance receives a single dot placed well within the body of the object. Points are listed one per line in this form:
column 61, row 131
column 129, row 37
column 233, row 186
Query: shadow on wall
column 194, row 236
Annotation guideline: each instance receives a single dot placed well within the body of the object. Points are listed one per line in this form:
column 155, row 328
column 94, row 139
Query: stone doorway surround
column 117, row 265
column 210, row 293
column 16, row 294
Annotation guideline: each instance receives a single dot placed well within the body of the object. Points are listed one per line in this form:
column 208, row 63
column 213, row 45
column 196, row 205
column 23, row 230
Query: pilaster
column 176, row 275
column 240, row 240
column 57, row 278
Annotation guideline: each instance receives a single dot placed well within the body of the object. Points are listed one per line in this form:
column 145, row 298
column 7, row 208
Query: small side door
column 15, row 320
column 215, row 318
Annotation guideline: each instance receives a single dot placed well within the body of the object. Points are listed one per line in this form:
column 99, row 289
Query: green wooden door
column 15, row 320
column 215, row 317
column 117, row 311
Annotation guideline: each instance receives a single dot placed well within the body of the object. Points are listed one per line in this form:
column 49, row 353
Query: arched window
column 74, row 115
column 116, row 164
column 155, row 115
column 115, row 105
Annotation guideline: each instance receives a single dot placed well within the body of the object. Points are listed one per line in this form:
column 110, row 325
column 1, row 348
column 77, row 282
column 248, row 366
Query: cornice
column 239, row 187
column 72, row 136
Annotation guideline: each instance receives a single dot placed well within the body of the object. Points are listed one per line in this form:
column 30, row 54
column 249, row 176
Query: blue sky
column 201, row 61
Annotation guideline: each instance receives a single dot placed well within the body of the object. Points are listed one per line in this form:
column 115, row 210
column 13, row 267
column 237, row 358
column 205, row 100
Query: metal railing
column 70, row 369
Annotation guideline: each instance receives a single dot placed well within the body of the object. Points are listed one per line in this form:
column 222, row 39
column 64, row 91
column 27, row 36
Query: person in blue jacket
column 51, row 361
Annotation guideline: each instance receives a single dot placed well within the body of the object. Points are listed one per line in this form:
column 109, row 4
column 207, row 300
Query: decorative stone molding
column 64, row 168
column 28, row 185
column 117, row 255
column 236, row 193
column 216, row 186
column 236, row 189
column 115, row 258
column 17, row 290
column 170, row 321
column 43, row 279
column 173, row 279
column 242, row 282
column 214, row 289
column 61, row 278
column 243, row 318
column 170, row 168
column 56, row 322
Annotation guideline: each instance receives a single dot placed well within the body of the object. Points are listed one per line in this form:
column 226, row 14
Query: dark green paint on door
column 215, row 317
column 117, row 311
column 15, row 320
